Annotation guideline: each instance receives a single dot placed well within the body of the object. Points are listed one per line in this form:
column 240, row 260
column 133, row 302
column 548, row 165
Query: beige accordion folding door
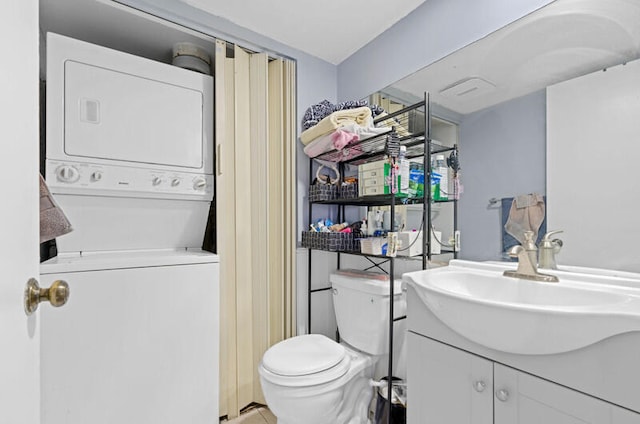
column 255, row 200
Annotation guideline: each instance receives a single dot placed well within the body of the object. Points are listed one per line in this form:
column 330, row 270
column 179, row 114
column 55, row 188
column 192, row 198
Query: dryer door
column 117, row 116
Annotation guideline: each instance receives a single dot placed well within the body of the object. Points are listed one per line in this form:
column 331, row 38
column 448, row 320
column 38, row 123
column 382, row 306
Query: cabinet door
column 623, row 416
column 447, row 385
column 521, row 398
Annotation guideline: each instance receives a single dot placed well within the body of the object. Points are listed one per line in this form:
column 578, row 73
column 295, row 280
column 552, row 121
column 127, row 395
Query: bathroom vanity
column 452, row 379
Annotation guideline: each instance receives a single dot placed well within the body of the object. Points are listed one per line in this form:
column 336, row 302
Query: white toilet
column 311, row 379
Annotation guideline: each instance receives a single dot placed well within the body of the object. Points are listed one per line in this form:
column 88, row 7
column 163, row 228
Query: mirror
column 496, row 91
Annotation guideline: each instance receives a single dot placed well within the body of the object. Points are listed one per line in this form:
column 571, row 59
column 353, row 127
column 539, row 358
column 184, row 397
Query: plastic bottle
column 434, row 181
column 441, row 168
column 403, row 163
column 416, row 179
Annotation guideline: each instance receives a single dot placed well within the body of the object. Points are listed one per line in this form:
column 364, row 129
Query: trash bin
column 398, row 402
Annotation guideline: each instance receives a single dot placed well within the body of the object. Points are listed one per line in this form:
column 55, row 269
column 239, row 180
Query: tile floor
column 259, row 415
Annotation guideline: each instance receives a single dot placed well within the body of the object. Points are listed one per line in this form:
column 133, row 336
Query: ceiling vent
column 469, row 87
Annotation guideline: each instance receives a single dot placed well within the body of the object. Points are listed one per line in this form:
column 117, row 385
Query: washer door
column 129, row 347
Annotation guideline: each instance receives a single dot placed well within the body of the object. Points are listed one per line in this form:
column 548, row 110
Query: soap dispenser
column 548, row 249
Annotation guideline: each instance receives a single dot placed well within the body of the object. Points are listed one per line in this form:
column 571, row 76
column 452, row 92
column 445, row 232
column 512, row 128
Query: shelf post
column 426, row 209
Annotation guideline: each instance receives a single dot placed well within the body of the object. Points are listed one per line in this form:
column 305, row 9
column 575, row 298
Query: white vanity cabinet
column 450, row 385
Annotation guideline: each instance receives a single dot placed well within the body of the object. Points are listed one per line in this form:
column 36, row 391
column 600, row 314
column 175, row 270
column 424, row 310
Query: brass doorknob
column 57, row 294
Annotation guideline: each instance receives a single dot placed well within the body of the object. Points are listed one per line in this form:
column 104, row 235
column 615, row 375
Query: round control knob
column 175, row 182
column 199, row 183
column 96, row 176
column 156, row 181
column 68, row 174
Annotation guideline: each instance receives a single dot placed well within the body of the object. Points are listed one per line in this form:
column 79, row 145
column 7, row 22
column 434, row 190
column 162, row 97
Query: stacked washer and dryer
column 129, row 159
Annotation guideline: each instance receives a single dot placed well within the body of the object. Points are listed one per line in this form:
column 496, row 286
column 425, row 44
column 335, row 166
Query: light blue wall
column 431, row 32
column 502, row 149
column 502, row 154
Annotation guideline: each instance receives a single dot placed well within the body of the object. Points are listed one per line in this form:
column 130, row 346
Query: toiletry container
column 403, row 164
column 440, row 167
column 313, row 380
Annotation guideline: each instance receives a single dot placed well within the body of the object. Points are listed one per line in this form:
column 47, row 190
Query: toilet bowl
column 331, row 395
column 312, row 379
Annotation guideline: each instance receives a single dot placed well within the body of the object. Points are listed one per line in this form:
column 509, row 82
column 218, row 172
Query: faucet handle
column 548, row 243
column 514, row 251
column 547, row 236
column 557, row 245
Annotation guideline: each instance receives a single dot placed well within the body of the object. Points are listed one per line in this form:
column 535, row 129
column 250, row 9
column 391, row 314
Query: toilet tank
column 361, row 303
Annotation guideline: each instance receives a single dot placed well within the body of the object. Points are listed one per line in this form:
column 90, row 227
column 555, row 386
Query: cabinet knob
column 502, row 395
column 479, row 386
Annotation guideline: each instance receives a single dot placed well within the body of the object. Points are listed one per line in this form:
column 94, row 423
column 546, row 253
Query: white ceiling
column 329, row 29
column 564, row 40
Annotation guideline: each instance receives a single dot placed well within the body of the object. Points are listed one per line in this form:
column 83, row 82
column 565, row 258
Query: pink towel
column 342, row 138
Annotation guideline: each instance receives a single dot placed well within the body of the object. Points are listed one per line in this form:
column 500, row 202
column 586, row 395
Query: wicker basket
column 333, row 242
column 348, row 191
column 322, row 192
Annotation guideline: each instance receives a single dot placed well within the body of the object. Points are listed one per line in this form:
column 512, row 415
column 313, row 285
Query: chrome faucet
column 527, row 267
column 548, row 250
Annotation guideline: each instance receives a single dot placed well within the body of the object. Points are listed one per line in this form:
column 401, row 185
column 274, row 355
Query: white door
column 19, row 335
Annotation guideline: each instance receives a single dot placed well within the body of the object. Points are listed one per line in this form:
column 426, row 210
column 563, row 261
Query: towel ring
column 331, row 181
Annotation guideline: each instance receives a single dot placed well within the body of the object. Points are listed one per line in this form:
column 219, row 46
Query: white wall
column 593, row 134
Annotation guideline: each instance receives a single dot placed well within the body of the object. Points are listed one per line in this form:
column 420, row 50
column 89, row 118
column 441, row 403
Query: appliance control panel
column 66, row 177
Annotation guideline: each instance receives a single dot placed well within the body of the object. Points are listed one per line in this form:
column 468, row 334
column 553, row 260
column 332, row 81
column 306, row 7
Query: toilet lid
column 303, row 355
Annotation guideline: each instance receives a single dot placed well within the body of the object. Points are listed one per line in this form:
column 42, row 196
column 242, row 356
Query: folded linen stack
column 336, row 120
column 340, row 138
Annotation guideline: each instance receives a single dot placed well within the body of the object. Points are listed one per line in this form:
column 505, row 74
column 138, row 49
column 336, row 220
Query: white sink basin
column 528, row 317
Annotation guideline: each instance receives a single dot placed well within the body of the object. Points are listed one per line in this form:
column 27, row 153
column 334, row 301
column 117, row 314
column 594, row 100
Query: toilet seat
column 305, row 361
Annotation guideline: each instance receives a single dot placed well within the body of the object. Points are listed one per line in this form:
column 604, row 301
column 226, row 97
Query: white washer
column 137, row 341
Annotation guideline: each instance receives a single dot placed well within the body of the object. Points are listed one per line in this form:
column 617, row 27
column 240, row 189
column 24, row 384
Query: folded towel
column 53, row 222
column 341, row 138
column 319, row 146
column 351, row 104
column 326, row 144
column 526, row 214
column 315, row 113
column 360, row 116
